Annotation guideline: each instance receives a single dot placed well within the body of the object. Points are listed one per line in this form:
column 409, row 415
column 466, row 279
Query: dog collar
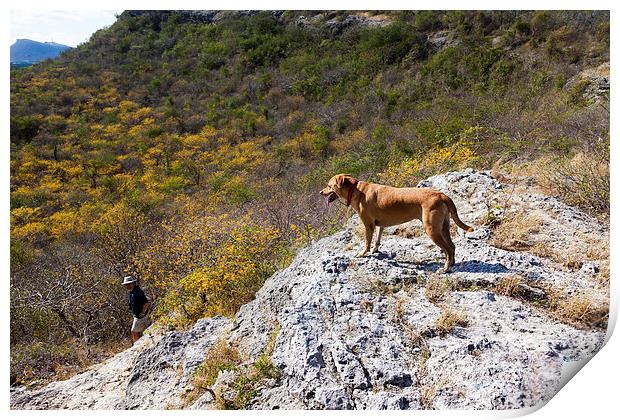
column 350, row 195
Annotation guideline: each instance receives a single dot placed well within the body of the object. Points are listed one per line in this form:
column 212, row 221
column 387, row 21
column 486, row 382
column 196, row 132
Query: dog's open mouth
column 331, row 198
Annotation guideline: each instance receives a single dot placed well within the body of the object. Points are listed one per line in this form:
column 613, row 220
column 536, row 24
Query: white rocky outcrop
column 361, row 333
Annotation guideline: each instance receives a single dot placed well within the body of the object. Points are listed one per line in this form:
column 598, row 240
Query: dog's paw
column 361, row 254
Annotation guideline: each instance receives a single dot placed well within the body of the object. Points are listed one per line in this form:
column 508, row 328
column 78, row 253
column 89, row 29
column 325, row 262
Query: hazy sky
column 69, row 27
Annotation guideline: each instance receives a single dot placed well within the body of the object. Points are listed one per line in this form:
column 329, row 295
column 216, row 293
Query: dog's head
column 338, row 187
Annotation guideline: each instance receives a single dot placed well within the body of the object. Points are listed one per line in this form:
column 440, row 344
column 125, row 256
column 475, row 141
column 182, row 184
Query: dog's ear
column 345, row 180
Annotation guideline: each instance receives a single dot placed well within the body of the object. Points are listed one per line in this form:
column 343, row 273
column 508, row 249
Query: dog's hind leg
column 376, row 248
column 450, row 245
column 433, row 225
column 370, row 230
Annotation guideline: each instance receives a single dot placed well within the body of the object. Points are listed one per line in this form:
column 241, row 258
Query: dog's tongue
column 327, row 202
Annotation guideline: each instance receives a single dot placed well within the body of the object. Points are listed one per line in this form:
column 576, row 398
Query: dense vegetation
column 189, row 154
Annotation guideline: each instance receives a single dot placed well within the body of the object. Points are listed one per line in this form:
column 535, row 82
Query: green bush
column 427, row 20
column 542, row 22
column 20, row 254
column 320, row 141
column 390, row 44
column 24, row 128
column 173, row 183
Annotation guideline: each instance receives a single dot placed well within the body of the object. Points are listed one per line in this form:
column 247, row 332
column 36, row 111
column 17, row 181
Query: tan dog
column 381, row 205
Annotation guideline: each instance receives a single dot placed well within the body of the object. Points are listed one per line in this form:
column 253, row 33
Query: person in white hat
column 139, row 305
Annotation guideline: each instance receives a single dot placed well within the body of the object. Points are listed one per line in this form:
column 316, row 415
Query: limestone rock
column 361, row 333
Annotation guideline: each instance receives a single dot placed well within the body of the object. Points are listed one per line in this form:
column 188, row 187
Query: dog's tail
column 455, row 216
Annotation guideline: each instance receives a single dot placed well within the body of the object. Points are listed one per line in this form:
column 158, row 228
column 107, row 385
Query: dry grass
column 597, row 249
column 400, row 307
column 582, row 311
column 509, row 285
column 428, row 392
column 583, row 180
column 543, row 249
column 602, row 277
column 574, row 259
column 448, row 320
column 515, row 232
column 571, row 260
column 437, row 287
column 246, row 384
column 409, row 231
column 238, row 391
column 272, row 339
column 366, row 305
column 220, row 357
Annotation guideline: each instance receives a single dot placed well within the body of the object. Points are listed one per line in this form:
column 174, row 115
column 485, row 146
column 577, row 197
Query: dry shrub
column 36, row 364
column 582, row 311
column 448, row 320
column 582, row 180
column 515, row 231
column 437, row 288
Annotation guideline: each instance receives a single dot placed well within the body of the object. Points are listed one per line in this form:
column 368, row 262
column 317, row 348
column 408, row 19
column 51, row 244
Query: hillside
column 383, row 331
column 187, row 148
column 26, row 51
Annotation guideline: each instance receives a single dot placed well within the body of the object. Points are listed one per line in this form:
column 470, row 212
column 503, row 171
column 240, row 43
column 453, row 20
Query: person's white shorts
column 140, row 324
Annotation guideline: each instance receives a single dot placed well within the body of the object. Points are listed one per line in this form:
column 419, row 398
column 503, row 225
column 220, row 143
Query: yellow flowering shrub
column 209, row 265
column 411, row 170
column 33, row 231
column 345, row 142
column 23, row 215
column 304, row 233
column 63, row 222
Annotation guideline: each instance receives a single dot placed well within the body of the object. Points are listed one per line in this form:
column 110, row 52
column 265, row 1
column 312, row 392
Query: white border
column 593, row 393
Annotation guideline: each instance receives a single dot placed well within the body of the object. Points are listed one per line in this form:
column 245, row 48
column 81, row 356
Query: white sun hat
column 129, row 279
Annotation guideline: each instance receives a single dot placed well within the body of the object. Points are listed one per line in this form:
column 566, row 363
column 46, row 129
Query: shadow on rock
column 475, row 266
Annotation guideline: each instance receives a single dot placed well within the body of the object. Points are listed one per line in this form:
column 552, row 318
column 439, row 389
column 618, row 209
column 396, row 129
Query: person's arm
column 145, row 308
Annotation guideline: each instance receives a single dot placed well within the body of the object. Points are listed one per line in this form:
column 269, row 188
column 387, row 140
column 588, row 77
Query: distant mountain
column 26, row 51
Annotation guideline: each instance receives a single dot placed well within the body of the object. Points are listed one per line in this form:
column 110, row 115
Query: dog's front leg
column 376, row 248
column 370, row 230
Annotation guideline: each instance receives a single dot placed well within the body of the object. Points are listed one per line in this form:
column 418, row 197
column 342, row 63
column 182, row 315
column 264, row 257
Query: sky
column 68, row 27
